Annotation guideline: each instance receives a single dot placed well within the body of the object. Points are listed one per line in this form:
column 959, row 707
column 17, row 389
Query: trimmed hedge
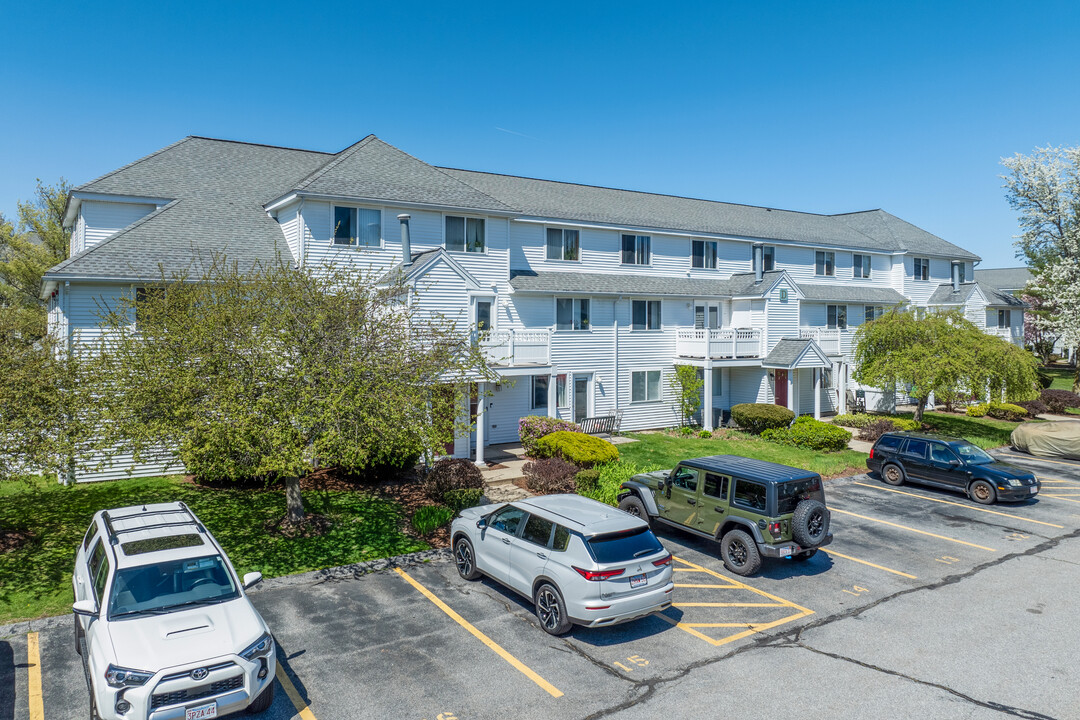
column 977, row 410
column 458, row 500
column 862, row 420
column 451, row 474
column 1057, row 401
column 578, row 448
column 587, row 480
column 806, row 432
column 533, row 427
column 759, row 417
column 1007, row 411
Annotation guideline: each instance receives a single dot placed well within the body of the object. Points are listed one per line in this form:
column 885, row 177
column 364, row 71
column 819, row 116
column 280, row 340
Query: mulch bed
column 14, row 539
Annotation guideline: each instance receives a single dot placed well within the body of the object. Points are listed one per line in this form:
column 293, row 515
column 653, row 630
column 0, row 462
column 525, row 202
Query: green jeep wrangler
column 753, row 508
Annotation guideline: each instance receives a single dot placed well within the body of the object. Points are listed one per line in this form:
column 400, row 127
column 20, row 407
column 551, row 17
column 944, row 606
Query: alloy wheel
column 464, row 560
column 548, row 609
column 737, row 553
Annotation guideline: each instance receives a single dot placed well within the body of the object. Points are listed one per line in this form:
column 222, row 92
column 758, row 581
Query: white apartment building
column 589, row 296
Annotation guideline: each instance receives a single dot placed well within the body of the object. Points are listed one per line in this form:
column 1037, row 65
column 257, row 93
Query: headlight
column 119, row 677
column 261, row 647
column 1014, row 482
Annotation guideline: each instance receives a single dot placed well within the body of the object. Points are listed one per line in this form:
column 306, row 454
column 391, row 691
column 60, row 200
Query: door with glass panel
column 707, row 316
column 581, row 397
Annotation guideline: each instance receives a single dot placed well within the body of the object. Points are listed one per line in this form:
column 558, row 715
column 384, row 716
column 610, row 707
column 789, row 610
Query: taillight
column 662, row 561
column 597, row 575
column 871, row 453
column 774, row 529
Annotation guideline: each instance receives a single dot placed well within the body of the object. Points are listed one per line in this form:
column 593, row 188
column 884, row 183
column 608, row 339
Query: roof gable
column 791, row 352
column 425, row 262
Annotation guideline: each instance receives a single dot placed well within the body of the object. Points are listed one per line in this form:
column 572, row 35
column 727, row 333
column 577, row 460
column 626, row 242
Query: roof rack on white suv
column 162, row 622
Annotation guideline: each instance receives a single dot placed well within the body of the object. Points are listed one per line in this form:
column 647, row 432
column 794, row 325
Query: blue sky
column 824, row 107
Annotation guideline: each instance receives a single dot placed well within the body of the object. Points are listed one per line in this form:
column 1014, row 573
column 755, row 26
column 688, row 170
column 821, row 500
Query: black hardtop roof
column 927, row 436
column 749, row 468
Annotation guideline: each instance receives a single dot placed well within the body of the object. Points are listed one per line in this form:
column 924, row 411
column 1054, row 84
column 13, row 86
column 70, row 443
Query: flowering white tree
column 1044, row 188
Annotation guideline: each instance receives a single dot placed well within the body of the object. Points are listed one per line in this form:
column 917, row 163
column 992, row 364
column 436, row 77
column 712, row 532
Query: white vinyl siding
column 105, row 219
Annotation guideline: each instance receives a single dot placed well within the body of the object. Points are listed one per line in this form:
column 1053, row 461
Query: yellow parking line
column 865, row 562
column 494, row 646
column 1039, row 459
column 33, row 664
column 950, row 502
column 1059, row 497
column 290, row 690
column 688, row 570
column 697, row 604
column 744, row 586
column 911, row 529
column 711, row 587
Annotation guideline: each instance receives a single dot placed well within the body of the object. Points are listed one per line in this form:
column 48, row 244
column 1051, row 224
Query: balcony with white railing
column 720, row 344
column 828, row 339
column 1012, row 334
column 516, row 347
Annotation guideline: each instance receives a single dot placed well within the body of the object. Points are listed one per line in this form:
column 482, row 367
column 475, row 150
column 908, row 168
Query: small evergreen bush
column 1057, row 401
column 587, row 480
column 1006, row 411
column 451, row 474
column 550, row 476
column 758, row 417
column 458, row 500
column 429, row 518
column 578, row 448
column 533, row 427
column 806, row 432
column 977, row 410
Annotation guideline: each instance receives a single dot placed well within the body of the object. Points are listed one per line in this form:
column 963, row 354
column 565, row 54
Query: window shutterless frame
column 645, row 315
column 645, row 386
column 465, row 234
column 703, row 254
column 563, row 244
column 920, row 268
column 636, row 249
column 825, row 262
column 356, row 226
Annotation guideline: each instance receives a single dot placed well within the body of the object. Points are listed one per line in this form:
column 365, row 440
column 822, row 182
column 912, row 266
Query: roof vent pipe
column 956, row 277
column 759, row 262
column 406, row 243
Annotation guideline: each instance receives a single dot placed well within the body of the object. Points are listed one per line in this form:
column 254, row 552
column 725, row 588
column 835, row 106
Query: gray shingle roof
column 945, row 295
column 851, row 293
column 218, row 187
column 1004, row 278
column 420, row 261
column 787, row 352
column 373, row 169
column 905, row 236
column 627, row 284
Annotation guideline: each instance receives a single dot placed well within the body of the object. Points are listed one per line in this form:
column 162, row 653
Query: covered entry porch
column 794, row 364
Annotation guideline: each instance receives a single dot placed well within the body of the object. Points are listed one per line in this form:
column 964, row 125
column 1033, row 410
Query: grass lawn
column 35, row 579
column 658, row 449
column 1063, row 377
column 983, row 432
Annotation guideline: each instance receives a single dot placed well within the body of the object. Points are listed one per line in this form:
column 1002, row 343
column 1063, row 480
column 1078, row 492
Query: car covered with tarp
column 1057, row 439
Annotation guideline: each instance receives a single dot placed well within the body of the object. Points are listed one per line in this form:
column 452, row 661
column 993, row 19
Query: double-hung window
column 465, row 234
column 645, row 386
column 703, row 254
column 837, row 317
column 860, row 266
column 873, row 312
column 571, row 313
column 825, row 262
column 540, row 391
column 1004, row 318
column 646, row 315
column 920, row 268
column 768, row 258
column 563, row 244
column 360, row 227
column 636, row 249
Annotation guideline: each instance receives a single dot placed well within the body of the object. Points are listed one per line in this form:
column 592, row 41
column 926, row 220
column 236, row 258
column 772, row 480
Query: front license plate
column 1034, row 490
column 638, row 580
column 203, row 711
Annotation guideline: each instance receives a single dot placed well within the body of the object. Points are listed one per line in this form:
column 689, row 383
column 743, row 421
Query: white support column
column 817, row 393
column 841, row 387
column 553, row 379
column 481, row 421
column 706, row 408
column 791, row 390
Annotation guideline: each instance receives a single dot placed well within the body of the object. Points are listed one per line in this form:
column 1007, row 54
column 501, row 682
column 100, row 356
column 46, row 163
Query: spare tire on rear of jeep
column 810, row 523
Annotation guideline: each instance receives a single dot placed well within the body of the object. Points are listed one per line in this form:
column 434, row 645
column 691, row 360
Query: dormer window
column 465, row 234
column 360, row 227
column 703, row 254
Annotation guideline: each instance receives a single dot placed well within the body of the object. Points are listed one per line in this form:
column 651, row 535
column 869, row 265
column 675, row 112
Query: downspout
column 301, row 229
column 615, row 344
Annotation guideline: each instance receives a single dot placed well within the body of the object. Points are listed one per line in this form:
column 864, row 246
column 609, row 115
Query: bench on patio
column 601, row 425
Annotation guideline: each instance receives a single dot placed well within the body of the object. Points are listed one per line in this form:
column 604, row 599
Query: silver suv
column 580, row 562
column 162, row 623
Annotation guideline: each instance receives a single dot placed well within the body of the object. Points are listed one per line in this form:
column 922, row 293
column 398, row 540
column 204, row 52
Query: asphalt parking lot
column 925, row 605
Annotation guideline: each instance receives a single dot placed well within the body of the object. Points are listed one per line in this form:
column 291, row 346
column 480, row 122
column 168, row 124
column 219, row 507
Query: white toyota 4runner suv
column 162, row 622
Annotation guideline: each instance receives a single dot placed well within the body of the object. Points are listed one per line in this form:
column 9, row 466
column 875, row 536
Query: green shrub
column 578, row 448
column 458, row 500
column 806, row 432
column 533, row 427
column 905, row 424
column 862, row 420
column 855, row 420
column 451, row 474
column 429, row 518
column 686, row 431
column 705, row 434
column 1006, row 411
column 976, row 410
column 612, row 476
column 587, row 480
column 758, row 417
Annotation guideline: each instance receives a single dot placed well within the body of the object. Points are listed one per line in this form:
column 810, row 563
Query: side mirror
column 252, row 579
column 481, row 523
column 86, row 608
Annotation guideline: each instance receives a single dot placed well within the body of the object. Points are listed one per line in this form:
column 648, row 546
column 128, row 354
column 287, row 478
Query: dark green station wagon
column 753, row 508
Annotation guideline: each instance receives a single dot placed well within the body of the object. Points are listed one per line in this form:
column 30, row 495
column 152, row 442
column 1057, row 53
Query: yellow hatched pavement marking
column 867, row 562
column 290, row 690
column 1039, row 459
column 911, row 529
column 950, row 502
column 704, row 586
column 33, row 665
column 730, row 583
column 1060, row 497
column 494, row 646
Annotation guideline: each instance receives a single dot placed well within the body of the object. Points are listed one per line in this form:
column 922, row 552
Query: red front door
column 780, row 391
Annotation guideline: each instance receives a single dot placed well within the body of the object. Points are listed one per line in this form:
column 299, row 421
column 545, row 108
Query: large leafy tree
column 943, row 353
column 276, row 371
column 1044, row 188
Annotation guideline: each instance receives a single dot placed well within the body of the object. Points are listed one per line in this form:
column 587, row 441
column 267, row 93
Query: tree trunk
column 293, row 500
column 920, row 403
